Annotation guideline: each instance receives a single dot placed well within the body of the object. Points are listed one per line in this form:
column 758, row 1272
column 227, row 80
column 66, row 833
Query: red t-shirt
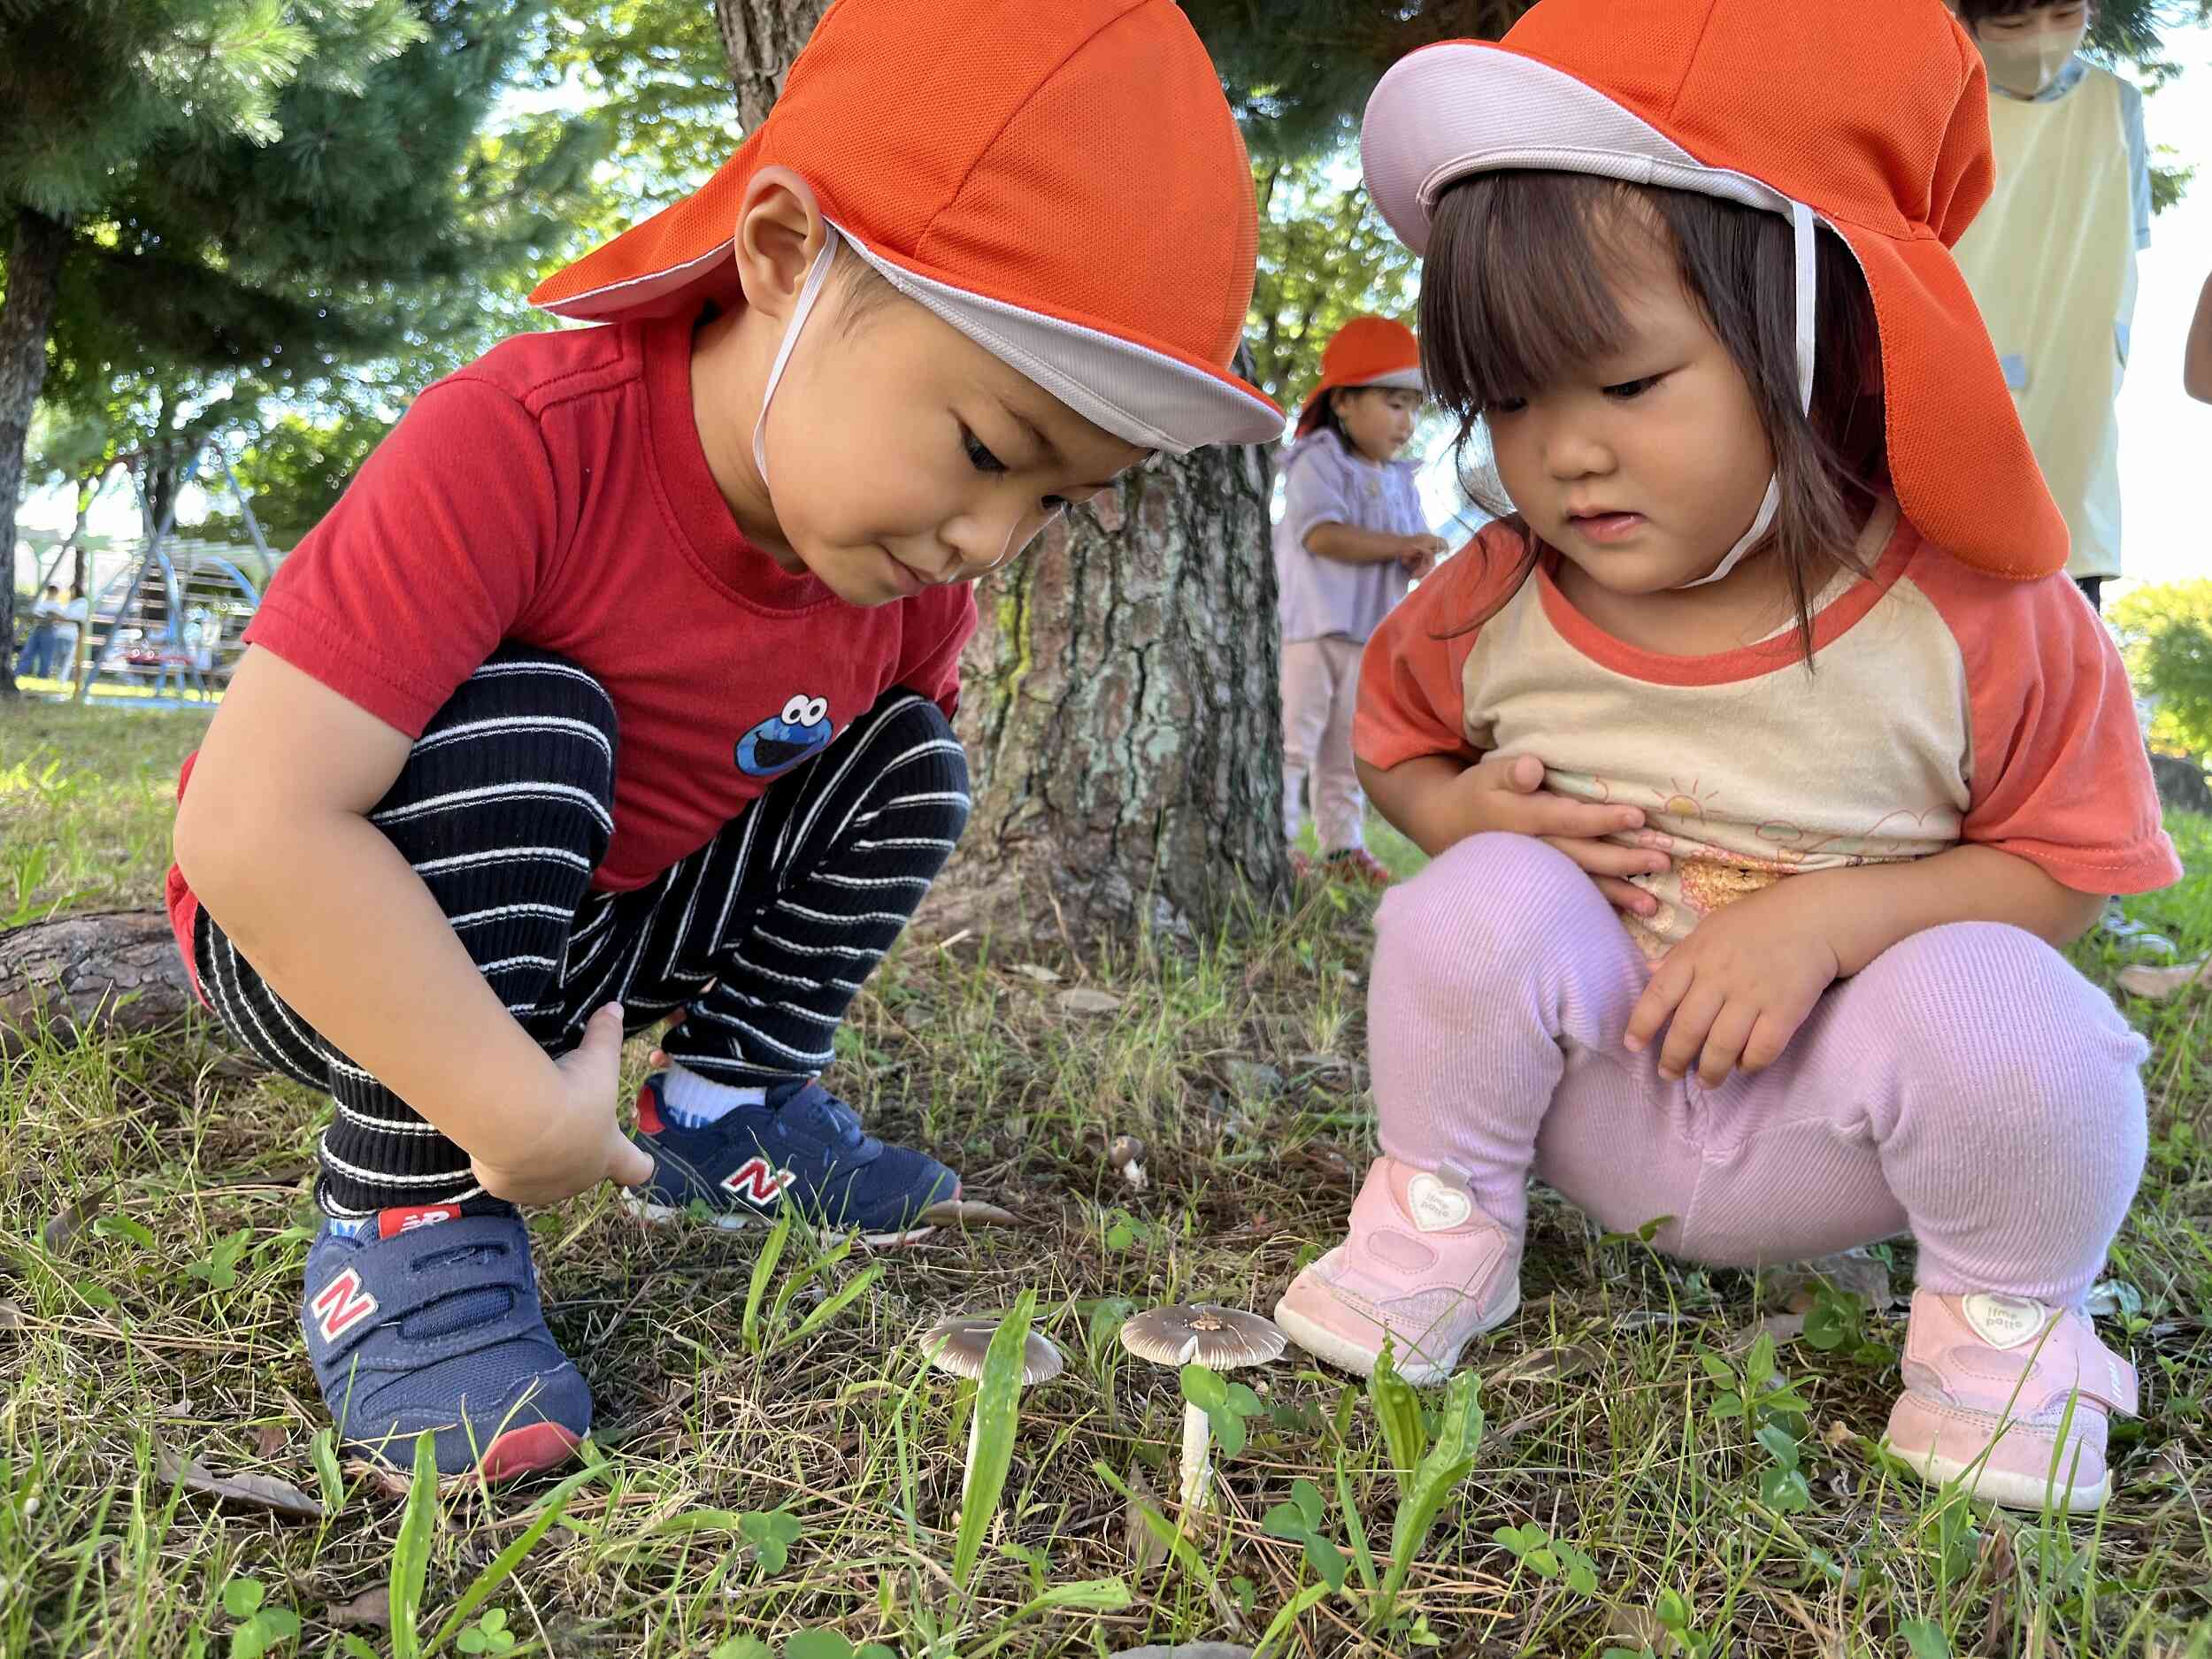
column 555, row 494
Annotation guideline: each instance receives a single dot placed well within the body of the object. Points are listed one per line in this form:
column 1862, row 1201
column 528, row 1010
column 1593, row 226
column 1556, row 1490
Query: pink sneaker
column 1423, row 1269
column 1988, row 1380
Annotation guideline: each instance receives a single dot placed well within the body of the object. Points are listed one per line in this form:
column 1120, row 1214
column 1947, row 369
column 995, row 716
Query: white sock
column 695, row 1101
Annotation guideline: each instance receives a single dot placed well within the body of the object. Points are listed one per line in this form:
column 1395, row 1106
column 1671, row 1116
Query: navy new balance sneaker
column 803, row 1148
column 428, row 1319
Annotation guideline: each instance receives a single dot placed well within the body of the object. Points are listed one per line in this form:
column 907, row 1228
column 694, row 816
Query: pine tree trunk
column 34, row 261
column 760, row 38
column 1121, row 705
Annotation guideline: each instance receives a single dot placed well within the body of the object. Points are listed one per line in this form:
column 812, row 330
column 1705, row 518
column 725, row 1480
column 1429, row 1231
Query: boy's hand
column 1508, row 793
column 1732, row 995
column 1421, row 553
column 579, row 1144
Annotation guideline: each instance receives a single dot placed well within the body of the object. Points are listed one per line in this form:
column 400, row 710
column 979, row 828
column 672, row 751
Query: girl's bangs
column 1489, row 333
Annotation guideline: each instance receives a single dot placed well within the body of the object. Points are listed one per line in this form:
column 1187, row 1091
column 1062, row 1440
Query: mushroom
column 1199, row 1333
column 960, row 1346
column 1125, row 1153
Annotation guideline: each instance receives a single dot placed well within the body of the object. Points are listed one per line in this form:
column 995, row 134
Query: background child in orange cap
column 620, row 680
column 1352, row 537
column 1765, row 751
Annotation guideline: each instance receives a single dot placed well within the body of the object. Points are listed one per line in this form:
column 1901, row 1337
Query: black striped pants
column 505, row 807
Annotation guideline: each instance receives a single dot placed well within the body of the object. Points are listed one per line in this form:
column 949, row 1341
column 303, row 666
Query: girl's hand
column 580, row 1143
column 1732, row 995
column 1508, row 793
column 1420, row 553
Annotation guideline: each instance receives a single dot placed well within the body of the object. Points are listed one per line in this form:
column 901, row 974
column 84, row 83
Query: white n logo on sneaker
column 340, row 1305
column 757, row 1180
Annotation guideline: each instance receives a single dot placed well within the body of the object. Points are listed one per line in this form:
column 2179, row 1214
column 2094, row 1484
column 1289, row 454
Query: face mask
column 1806, row 235
column 2023, row 65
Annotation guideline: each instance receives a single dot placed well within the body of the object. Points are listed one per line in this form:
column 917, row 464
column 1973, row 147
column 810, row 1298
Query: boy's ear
column 779, row 232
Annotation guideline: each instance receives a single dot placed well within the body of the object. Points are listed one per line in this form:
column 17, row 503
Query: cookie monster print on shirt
column 783, row 742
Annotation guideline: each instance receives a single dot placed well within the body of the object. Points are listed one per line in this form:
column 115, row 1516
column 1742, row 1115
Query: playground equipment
column 170, row 624
column 173, row 622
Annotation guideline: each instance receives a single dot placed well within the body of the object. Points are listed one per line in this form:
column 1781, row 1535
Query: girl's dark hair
column 1518, row 288
column 1329, row 420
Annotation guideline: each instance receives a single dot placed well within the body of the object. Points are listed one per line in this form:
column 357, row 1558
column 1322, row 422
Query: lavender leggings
column 1967, row 1086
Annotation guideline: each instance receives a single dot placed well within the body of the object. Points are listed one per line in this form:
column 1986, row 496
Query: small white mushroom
column 960, row 1346
column 1125, row 1153
column 1199, row 1333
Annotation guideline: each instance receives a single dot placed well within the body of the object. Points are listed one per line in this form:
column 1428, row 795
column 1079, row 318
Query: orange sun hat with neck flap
column 1063, row 183
column 1876, row 125
column 1366, row 351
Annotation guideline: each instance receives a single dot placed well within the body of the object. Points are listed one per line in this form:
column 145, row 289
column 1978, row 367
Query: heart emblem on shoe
column 2004, row 1321
column 1437, row 1207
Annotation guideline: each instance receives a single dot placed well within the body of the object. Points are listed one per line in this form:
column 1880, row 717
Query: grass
column 761, row 1478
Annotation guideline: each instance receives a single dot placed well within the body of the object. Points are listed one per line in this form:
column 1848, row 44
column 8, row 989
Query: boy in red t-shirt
column 620, row 680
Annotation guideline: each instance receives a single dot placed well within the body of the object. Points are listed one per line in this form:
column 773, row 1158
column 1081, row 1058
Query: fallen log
column 109, row 971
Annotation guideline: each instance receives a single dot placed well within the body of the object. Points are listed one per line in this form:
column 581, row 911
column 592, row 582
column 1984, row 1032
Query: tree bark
column 760, row 38
column 113, row 971
column 1121, row 706
column 26, row 315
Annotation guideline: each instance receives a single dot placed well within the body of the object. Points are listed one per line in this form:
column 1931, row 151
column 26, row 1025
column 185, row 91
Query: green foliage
column 1298, row 72
column 294, row 473
column 657, row 80
column 2166, row 634
column 1768, row 1404
column 260, row 1629
column 1548, row 1557
column 1299, row 1522
column 997, row 1415
column 766, row 1325
column 1325, row 256
column 1426, row 1485
column 770, row 1532
column 1225, row 1404
column 319, row 194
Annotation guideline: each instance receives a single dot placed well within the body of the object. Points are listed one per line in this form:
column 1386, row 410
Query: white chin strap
column 1805, row 234
column 809, row 292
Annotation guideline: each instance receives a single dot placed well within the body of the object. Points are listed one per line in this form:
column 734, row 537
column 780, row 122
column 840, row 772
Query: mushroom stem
column 975, row 1431
column 1198, row 1471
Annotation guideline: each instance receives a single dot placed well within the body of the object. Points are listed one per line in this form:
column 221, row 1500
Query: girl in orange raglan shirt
column 1764, row 751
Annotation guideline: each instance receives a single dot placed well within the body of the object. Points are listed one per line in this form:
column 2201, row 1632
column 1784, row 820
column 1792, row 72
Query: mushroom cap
column 960, row 1346
column 1123, row 1149
column 1221, row 1339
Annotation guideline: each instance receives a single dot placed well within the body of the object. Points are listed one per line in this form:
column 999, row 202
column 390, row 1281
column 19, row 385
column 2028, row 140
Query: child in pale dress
column 1765, row 752
column 1352, row 538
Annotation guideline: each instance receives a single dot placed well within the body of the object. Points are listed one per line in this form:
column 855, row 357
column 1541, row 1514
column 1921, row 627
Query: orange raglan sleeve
column 1412, row 679
column 2057, row 774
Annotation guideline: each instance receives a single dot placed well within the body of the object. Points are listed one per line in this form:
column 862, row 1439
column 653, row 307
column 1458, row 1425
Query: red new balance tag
column 391, row 1222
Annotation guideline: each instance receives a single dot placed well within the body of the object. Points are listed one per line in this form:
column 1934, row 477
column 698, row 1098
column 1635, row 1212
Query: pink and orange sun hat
column 1366, row 351
column 1876, row 125
column 1064, row 183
